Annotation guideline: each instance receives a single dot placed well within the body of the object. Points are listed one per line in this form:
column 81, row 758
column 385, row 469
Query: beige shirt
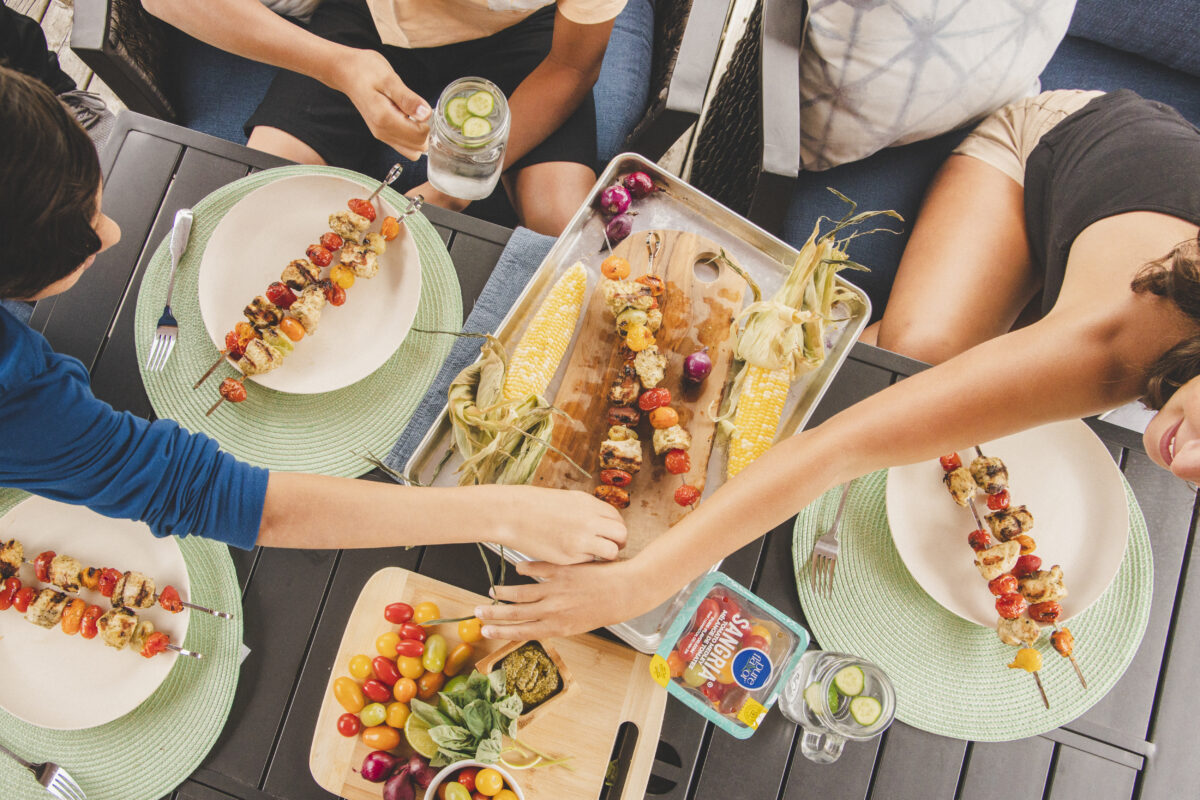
column 430, row 23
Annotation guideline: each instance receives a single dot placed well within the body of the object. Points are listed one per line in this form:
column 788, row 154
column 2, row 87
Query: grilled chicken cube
column 362, row 259
column 620, row 295
column 621, row 433
column 990, row 474
column 995, row 561
column 961, row 485
column 65, row 573
column 46, row 608
column 1043, row 586
column 348, row 225
column 300, row 274
column 376, row 243
column 1019, row 631
column 615, row 496
column 262, row 313
column 307, row 308
column 134, row 590
column 651, row 366
column 623, row 454
column 117, row 626
column 259, row 358
column 1010, row 523
column 672, row 438
column 654, row 320
column 625, row 390
column 12, row 555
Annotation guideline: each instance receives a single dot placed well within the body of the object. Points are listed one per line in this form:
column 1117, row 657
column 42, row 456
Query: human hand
column 569, row 600
column 438, row 198
column 555, row 525
column 395, row 114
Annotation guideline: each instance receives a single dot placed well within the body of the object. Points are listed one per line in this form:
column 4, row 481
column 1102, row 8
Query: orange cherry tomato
column 404, row 690
column 397, row 714
column 381, row 737
column 664, row 417
column 72, row 616
column 615, row 268
column 292, row 329
column 349, row 695
column 676, row 664
column 1028, row 545
column 389, row 228
column 657, row 287
column 232, row 390
column 430, row 684
column 469, row 630
column 90, row 578
column 458, row 659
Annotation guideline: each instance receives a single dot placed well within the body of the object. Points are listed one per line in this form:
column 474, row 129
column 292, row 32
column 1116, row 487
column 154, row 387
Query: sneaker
column 92, row 112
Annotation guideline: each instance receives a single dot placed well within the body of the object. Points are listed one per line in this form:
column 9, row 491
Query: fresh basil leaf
column 509, row 707
column 428, row 714
column 452, row 737
column 450, row 708
column 490, row 748
column 439, row 760
column 478, row 684
column 496, row 681
column 479, row 718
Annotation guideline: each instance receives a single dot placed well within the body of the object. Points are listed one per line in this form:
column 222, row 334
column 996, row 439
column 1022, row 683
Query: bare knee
column 928, row 343
column 283, row 144
column 547, row 195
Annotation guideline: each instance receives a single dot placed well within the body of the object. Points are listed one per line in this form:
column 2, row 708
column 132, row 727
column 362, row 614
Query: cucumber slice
column 457, row 111
column 835, row 700
column 475, row 127
column 865, row 710
column 849, row 681
column 481, row 103
column 812, row 696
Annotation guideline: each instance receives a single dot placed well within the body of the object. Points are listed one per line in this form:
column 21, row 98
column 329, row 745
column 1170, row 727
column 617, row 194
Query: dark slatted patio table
column 1137, row 742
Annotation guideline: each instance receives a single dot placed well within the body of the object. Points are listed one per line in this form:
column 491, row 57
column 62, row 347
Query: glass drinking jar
column 811, row 699
column 468, row 137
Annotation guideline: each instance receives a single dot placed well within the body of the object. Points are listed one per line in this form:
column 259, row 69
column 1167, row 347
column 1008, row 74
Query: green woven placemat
column 152, row 749
column 950, row 675
column 298, row 432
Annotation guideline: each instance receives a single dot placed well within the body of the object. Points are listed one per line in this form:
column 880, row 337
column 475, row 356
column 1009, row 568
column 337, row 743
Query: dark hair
column 49, row 185
column 1174, row 277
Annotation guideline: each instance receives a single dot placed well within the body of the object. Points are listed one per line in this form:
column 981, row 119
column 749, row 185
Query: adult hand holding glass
column 395, row 114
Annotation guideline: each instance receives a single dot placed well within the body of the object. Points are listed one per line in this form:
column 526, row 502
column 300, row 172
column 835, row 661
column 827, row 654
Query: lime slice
column 475, row 127
column 519, row 759
column 481, row 103
column 456, row 111
column 849, row 681
column 416, row 731
column 865, row 710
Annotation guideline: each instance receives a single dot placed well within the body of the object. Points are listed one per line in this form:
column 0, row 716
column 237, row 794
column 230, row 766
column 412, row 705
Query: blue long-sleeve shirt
column 59, row 441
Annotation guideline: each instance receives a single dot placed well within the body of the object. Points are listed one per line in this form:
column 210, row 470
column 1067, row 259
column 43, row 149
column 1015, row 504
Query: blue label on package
column 751, row 668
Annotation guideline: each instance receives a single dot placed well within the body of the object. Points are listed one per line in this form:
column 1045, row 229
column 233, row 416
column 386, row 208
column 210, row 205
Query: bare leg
column 283, row 144
column 966, row 273
column 547, row 195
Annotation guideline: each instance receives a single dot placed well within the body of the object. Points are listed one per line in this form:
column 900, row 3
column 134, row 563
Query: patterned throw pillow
column 877, row 73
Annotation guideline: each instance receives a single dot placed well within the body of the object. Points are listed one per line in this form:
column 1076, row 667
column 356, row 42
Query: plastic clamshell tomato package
column 727, row 654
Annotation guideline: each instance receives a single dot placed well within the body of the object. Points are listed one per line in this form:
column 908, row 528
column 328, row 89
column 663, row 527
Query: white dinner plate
column 272, row 226
column 1065, row 476
column 65, row 682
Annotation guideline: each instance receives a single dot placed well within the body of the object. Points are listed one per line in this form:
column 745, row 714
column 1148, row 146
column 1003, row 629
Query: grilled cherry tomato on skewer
column 155, row 643
column 362, row 208
column 1026, row 566
column 72, row 616
column 615, row 477
column 678, row 462
column 318, row 255
column 979, row 540
column 686, row 495
column 169, row 599
column 1045, row 612
column 108, row 581
column 89, row 578
column 950, row 462
column 389, row 229
column 41, row 565
column 1010, row 605
column 233, row 345
column 87, row 624
column 664, row 417
column 23, row 598
column 1063, row 641
column 281, row 295
column 998, row 501
column 8, row 592
column 1028, row 545
column 334, row 294
column 331, row 241
column 233, row 390
column 615, row 268
column 654, row 398
column 291, row 329
column 1005, row 584
column 657, row 287
column 342, row 275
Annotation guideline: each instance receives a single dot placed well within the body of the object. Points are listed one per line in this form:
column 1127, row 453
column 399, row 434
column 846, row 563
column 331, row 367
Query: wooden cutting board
column 610, row 685
column 698, row 308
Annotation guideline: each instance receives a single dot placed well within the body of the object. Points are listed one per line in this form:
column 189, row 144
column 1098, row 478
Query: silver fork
column 825, row 551
column 51, row 776
column 168, row 329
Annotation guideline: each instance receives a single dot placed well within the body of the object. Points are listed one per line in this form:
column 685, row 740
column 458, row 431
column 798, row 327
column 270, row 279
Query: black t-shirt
column 1119, row 153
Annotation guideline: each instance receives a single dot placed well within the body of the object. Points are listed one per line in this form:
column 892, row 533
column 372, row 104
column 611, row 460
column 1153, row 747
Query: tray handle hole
column 706, row 268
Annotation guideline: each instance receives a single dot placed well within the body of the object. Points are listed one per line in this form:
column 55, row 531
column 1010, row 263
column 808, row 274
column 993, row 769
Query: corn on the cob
column 540, row 350
column 756, row 419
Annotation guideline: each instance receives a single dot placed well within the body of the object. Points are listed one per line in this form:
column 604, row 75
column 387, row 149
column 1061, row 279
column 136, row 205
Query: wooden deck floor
column 56, row 17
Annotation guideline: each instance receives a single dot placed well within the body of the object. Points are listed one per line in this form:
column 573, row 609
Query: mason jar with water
column 468, row 138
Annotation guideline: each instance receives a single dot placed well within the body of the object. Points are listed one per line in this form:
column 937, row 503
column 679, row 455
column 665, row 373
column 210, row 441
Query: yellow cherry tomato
column 349, row 694
column 458, row 658
column 390, row 228
column 291, row 329
column 404, row 690
column 468, row 630
column 1027, row 659
column 342, row 275
column 506, row 794
column 360, row 667
column 410, row 667
column 764, row 632
column 381, row 737
column 489, row 782
column 434, row 657
column 615, row 268
column 386, row 643
column 726, row 673
column 423, row 612
column 397, row 714
column 664, row 417
column 638, row 338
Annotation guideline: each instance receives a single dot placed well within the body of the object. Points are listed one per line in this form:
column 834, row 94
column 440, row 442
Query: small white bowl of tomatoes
column 473, row 780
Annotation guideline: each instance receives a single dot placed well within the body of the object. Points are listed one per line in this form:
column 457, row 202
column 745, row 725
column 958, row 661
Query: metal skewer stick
column 193, row 606
column 390, row 178
column 183, row 651
column 653, row 245
column 211, row 370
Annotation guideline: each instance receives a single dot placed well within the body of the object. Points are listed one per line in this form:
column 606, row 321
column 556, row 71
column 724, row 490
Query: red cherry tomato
column 1045, row 612
column 169, row 599
column 950, row 462
column 281, row 294
column 678, row 462
column 1026, row 566
column 998, row 501
column 8, row 592
column 377, row 690
column 729, row 606
column 331, row 241
column 23, row 598
column 41, row 565
column 318, row 255
column 234, row 345
column 348, row 724
column 715, row 690
column 233, row 390
column 385, row 670
column 87, row 625
column 334, row 294
column 689, row 646
column 979, row 540
column 398, row 613
column 467, row 778
column 362, row 208
column 410, row 648
column 759, row 642
column 1010, row 605
column 686, row 495
column 706, row 614
column 615, row 477
column 411, row 630
column 654, row 398
column 1005, row 584
column 155, row 643
column 108, row 581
